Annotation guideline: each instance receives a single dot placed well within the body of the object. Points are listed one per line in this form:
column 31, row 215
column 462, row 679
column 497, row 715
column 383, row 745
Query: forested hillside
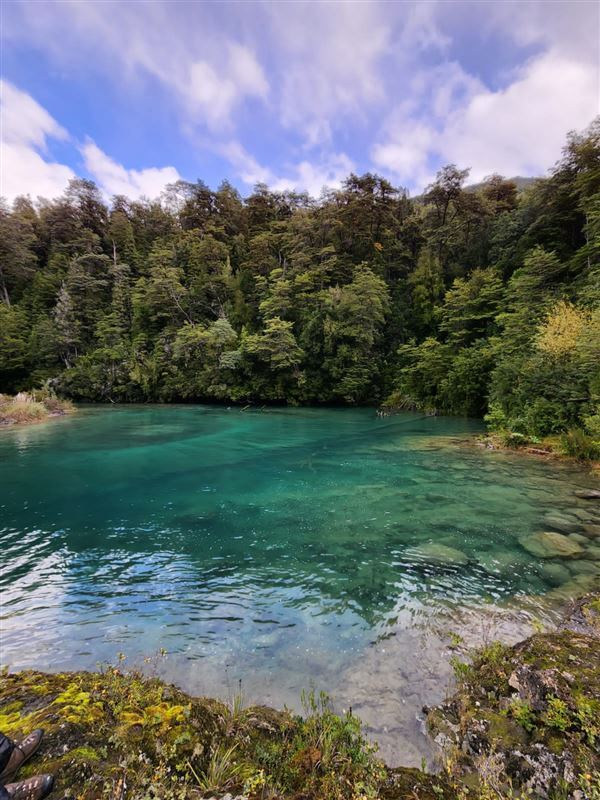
column 457, row 301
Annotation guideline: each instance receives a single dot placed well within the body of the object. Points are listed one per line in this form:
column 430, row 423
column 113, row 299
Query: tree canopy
column 459, row 300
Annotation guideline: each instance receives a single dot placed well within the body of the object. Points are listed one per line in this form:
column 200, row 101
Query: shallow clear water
column 285, row 547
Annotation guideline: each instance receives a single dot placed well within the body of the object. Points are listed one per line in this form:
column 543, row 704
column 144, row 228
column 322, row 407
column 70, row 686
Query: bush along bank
column 28, row 407
column 524, row 722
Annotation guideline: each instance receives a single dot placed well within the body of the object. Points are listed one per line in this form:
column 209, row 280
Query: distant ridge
column 521, row 183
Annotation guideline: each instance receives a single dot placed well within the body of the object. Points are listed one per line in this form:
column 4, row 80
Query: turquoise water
column 283, row 548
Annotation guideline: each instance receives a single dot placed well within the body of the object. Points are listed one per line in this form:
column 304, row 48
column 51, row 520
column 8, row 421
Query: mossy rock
column 114, row 735
column 100, row 727
column 550, row 544
column 531, row 711
column 412, row 784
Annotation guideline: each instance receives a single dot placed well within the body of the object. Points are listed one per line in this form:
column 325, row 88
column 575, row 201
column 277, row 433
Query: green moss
column 10, row 716
column 524, row 708
column 412, row 784
column 85, row 754
column 502, row 730
column 513, row 704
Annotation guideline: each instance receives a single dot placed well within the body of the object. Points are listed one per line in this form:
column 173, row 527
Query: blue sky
column 296, row 94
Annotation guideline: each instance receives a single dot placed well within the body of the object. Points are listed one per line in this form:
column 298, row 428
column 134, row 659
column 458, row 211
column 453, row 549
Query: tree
column 276, row 345
column 353, row 323
column 18, row 260
column 13, row 348
column 470, row 307
column 463, row 296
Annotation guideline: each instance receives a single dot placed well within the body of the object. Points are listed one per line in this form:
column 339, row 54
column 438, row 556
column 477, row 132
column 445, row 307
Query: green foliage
column 33, row 407
column 496, row 419
column 222, row 771
column 329, row 756
column 578, row 444
column 464, row 300
column 523, row 714
column 557, row 714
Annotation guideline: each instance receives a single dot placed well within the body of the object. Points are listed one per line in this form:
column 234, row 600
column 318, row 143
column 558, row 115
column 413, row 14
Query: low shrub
column 580, row 445
column 32, row 407
column 513, row 439
column 55, row 405
column 496, row 419
column 22, row 411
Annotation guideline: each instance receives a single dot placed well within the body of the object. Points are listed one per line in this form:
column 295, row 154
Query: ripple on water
column 286, row 548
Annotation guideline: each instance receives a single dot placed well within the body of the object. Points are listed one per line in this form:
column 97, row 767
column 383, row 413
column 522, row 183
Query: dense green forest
column 464, row 300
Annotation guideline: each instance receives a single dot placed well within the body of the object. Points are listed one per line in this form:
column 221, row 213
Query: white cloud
column 25, row 129
column 378, row 77
column 23, row 171
column 520, row 130
column 313, row 177
column 24, row 121
column 245, row 71
column 214, row 96
column 517, row 130
column 245, row 165
column 406, row 154
column 114, row 178
column 209, row 74
column 330, row 58
column 305, row 176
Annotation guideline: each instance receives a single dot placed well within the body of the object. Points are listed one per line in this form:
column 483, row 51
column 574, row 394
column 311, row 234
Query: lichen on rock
column 526, row 719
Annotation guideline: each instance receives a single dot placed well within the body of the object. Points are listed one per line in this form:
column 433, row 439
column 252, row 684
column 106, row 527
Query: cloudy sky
column 295, row 94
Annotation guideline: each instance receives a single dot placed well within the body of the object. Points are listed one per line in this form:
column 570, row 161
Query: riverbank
column 550, row 449
column 523, row 719
column 27, row 409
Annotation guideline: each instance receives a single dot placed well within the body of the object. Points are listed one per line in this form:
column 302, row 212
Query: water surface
column 286, row 548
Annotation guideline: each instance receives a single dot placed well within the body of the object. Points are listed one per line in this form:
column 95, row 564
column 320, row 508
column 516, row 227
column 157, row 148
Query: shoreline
column 522, row 717
column 492, row 443
column 31, row 409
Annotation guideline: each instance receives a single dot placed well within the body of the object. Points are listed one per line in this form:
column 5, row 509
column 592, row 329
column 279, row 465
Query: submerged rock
column 563, row 524
column 579, row 538
column 588, row 494
column 556, row 574
column 578, row 585
column 593, row 552
column 439, row 553
column 550, row 544
column 582, row 566
column 502, row 561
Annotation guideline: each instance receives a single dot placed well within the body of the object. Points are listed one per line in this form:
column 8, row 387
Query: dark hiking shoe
column 21, row 752
column 35, row 788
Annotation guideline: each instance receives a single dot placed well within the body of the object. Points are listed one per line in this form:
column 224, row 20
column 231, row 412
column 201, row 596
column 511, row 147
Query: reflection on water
column 287, row 548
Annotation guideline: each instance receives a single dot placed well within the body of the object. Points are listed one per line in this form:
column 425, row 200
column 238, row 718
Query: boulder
column 584, row 514
column 594, row 552
column 550, row 544
column 560, row 523
column 591, row 530
column 439, row 553
column 579, row 538
column 588, row 494
column 556, row 574
column 506, row 709
column 582, row 566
